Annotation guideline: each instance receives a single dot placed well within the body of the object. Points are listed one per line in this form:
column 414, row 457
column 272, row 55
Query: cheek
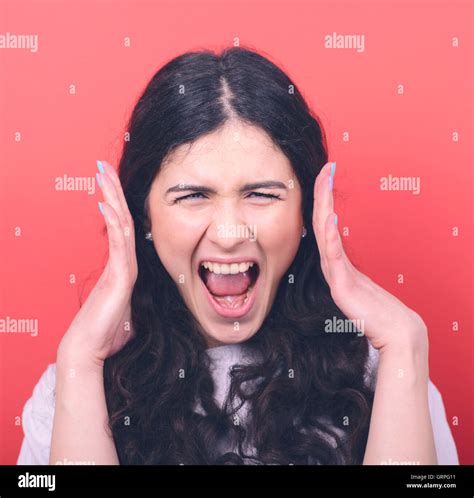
column 279, row 234
column 280, row 241
column 175, row 237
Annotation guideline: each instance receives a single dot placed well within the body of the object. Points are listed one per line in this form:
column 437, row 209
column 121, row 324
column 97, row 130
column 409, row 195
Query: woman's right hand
column 103, row 324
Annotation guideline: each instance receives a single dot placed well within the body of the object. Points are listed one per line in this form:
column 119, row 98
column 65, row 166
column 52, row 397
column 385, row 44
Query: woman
column 212, row 334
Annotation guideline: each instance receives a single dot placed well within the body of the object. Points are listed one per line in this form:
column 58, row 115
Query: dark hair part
column 300, row 419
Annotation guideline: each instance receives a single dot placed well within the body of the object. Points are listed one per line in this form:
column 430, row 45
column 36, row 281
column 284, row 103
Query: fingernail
column 101, row 208
column 101, row 168
column 335, row 220
column 333, row 168
column 99, row 181
column 330, row 183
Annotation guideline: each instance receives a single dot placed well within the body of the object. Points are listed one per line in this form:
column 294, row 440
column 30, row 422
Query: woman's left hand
column 387, row 322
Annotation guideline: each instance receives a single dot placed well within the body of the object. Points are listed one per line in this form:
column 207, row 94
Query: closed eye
column 197, row 195
column 189, row 196
column 268, row 196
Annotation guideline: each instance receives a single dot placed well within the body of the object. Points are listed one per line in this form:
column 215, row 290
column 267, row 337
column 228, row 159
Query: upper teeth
column 225, row 269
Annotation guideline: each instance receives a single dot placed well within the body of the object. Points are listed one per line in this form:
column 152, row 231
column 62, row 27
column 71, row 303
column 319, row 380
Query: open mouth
column 230, row 287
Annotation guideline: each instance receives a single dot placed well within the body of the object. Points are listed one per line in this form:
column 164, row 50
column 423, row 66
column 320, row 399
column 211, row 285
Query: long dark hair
column 318, row 414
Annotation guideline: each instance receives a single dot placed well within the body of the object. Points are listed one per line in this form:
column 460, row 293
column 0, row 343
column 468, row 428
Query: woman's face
column 218, row 231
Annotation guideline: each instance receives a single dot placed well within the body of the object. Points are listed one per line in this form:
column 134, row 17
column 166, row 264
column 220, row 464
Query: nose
column 228, row 228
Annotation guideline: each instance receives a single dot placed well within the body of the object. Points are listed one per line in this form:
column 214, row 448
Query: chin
column 221, row 338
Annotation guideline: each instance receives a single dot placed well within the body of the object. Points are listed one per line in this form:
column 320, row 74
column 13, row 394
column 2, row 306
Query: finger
column 128, row 225
column 111, row 198
column 339, row 267
column 110, row 195
column 118, row 257
column 323, row 206
column 112, row 174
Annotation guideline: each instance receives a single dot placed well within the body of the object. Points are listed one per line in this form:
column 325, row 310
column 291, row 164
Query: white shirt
column 38, row 411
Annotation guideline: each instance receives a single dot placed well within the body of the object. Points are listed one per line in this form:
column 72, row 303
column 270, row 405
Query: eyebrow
column 270, row 184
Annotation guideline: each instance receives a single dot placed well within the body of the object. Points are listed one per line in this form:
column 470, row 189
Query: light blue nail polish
column 335, row 220
column 101, row 168
column 333, row 169
column 101, row 208
column 99, row 181
column 330, row 183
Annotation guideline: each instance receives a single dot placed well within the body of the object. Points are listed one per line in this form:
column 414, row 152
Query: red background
column 391, row 233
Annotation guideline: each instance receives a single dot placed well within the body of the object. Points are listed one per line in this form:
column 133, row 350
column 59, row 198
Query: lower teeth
column 230, row 299
column 249, row 290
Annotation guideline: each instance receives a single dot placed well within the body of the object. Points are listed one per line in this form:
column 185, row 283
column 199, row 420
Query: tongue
column 227, row 285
